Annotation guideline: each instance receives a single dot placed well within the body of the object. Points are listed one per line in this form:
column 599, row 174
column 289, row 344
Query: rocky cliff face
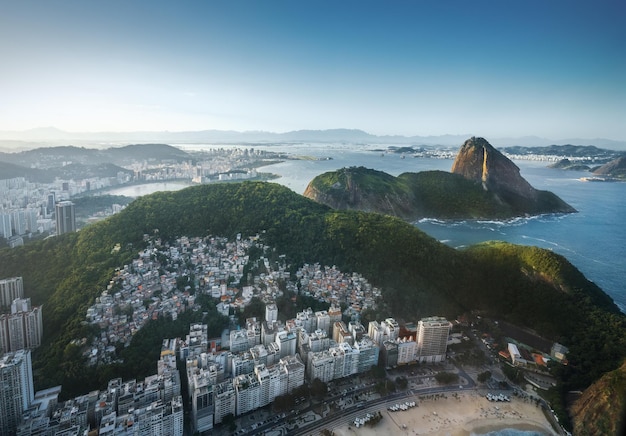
column 602, row 407
column 615, row 168
column 480, row 162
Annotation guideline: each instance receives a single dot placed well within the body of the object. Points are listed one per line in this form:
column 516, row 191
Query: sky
column 555, row 69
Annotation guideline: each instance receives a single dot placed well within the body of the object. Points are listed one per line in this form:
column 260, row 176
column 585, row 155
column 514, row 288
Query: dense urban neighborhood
column 211, row 381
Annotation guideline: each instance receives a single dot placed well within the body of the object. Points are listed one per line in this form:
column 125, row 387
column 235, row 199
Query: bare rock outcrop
column 480, row 161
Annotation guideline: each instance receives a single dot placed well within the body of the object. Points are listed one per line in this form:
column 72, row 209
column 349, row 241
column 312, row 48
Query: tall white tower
column 16, row 389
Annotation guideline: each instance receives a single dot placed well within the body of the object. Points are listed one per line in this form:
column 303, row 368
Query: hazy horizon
column 552, row 70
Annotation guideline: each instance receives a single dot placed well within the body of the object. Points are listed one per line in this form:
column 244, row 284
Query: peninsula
column 483, row 184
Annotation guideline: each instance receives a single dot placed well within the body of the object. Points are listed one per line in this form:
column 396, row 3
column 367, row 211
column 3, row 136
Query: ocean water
column 594, row 239
column 135, row 191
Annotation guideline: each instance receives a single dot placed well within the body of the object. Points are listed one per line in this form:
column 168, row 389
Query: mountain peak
column 478, row 160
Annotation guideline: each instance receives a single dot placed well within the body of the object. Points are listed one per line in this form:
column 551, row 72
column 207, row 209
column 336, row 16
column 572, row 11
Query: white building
column 407, row 349
column 295, row 371
column 271, row 312
column 432, row 339
column 286, row 342
column 225, row 400
column 376, row 332
column 10, row 289
column 321, row 365
column 17, row 392
column 22, row 328
column 239, row 341
column 323, row 321
column 391, row 329
column 248, row 391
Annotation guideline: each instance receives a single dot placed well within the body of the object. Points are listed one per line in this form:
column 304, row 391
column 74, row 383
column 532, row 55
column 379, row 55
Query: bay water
column 593, row 239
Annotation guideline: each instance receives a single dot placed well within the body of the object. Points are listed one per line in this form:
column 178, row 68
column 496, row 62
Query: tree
column 446, row 377
column 401, row 382
column 229, row 420
column 484, row 376
column 378, row 372
column 318, row 388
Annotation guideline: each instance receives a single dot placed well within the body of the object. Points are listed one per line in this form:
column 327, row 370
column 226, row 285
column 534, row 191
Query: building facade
column 432, row 339
column 10, row 289
column 16, row 389
column 65, row 217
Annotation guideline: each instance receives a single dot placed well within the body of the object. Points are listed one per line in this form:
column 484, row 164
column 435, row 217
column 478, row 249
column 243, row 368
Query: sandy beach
column 456, row 415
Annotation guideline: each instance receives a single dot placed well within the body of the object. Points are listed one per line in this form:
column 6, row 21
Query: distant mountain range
column 67, row 162
column 33, row 138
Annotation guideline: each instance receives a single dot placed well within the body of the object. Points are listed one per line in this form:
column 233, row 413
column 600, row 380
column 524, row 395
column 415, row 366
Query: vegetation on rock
column 602, row 408
column 483, row 183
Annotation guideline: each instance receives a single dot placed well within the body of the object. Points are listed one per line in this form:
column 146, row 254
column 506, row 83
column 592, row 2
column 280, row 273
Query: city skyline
column 554, row 69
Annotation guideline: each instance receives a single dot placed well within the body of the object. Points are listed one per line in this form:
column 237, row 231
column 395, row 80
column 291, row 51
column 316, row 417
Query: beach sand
column 456, row 415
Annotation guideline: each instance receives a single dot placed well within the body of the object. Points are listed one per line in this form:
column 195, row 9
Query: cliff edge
column 480, row 162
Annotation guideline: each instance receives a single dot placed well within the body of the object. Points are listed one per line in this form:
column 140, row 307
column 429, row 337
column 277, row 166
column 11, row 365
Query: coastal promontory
column 483, row 184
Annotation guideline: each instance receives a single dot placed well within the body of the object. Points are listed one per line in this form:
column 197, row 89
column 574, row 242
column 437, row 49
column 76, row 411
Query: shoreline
column 464, row 414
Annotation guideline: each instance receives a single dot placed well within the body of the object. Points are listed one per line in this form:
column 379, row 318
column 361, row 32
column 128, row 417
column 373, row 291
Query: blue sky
column 492, row 68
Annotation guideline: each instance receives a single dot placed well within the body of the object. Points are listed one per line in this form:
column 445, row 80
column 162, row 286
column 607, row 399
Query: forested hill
column 419, row 276
column 56, row 157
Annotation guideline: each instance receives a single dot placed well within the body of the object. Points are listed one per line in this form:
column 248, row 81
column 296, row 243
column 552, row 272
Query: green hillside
column 419, row 276
column 427, row 194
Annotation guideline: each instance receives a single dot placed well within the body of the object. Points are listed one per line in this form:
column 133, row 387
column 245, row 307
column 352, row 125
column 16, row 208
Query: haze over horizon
column 549, row 69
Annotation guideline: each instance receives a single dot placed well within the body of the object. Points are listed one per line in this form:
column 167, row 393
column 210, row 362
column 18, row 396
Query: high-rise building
column 51, row 202
column 202, row 404
column 286, row 343
column 16, row 389
column 10, row 289
column 65, row 217
column 432, row 339
column 323, row 321
column 239, row 341
column 376, row 332
column 6, row 229
column 18, row 221
column 248, row 391
column 271, row 312
column 391, row 329
column 22, row 328
column 334, row 313
column 31, row 220
column 225, row 400
column 368, row 354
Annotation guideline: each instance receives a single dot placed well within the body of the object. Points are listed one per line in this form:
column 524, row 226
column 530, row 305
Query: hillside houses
column 164, row 280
